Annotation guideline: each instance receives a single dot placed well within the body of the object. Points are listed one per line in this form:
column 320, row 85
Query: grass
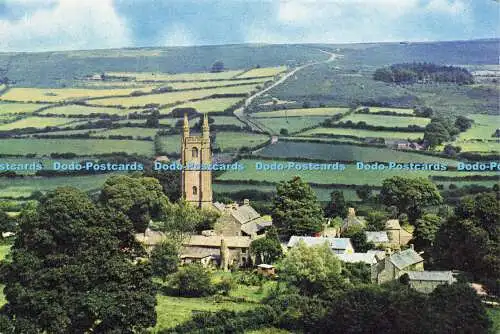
column 172, row 97
column 363, row 133
column 494, row 315
column 482, row 147
column 196, row 76
column 134, row 132
column 64, row 94
column 292, row 124
column 301, row 112
column 18, row 108
column 227, row 120
column 83, row 110
column 83, row 147
column 208, row 106
column 4, row 251
column 403, row 111
column 483, row 128
column 204, row 84
column 38, row 122
column 386, row 121
column 171, row 143
column 230, row 141
column 263, row 72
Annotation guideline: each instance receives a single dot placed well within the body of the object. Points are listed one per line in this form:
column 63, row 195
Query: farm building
column 427, row 281
column 395, row 265
column 240, row 220
column 338, row 245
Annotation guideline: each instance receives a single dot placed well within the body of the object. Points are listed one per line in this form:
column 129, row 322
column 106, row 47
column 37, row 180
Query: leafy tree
column 463, row 123
column 218, row 66
column 358, row 239
column 364, row 192
column 165, row 259
column 153, row 121
column 191, row 280
column 337, row 205
column 139, row 198
column 6, row 223
column 311, row 269
column 409, row 195
column 267, row 249
column 375, row 221
column 284, row 132
column 296, row 210
column 170, row 182
column 425, row 231
column 73, row 271
column 436, row 133
column 357, row 273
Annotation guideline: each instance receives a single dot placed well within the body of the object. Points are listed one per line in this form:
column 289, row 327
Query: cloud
column 453, row 7
column 68, row 25
column 178, row 35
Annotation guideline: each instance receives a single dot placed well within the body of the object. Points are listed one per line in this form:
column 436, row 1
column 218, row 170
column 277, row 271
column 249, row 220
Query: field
column 172, row 97
column 208, row 105
column 483, row 128
column 403, row 111
column 149, row 76
column 262, row 72
column 171, row 143
column 38, row 122
column 63, row 94
column 361, row 133
column 227, row 120
column 292, row 124
column 301, row 112
column 230, row 141
column 351, row 176
column 19, row 108
column 134, row 132
column 482, row 147
column 83, row 147
column 65, row 132
column 386, row 121
column 339, row 152
column 219, row 83
column 69, row 110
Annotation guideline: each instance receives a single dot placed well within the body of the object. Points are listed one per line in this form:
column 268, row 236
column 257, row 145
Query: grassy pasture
column 326, row 140
column 227, row 120
column 207, row 106
column 18, row 108
column 172, row 97
column 263, row 72
column 363, row 133
column 350, row 176
column 229, row 141
column 301, row 112
column 482, row 147
column 69, row 110
column 292, row 124
column 135, row 132
column 67, row 132
column 388, row 121
column 64, row 94
column 219, row 83
column 37, row 122
column 171, row 143
column 483, row 128
column 84, row 147
column 196, row 76
column 403, row 111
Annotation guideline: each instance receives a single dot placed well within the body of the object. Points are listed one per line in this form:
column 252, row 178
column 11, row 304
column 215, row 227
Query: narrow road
column 240, row 112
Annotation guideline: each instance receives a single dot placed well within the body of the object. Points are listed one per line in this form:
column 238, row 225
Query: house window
column 194, row 152
column 195, row 190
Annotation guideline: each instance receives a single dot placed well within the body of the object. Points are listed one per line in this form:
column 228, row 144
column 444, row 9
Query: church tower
column 196, row 183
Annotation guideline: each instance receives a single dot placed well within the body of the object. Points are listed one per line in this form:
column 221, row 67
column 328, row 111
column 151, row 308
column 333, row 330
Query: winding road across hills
column 240, row 112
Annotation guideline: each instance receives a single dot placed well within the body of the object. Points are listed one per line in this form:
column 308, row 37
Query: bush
column 224, row 286
column 191, row 281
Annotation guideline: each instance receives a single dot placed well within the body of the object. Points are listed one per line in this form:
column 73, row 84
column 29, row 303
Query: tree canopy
column 267, row 249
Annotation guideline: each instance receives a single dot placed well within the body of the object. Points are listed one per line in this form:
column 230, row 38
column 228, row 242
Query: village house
column 397, row 235
column 366, row 258
column 427, row 281
column 240, row 220
column 394, row 265
column 338, row 245
column 377, row 237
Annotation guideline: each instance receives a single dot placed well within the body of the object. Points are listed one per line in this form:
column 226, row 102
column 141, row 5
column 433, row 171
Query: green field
column 292, row 124
column 66, row 132
column 134, row 132
column 351, row 176
column 404, row 111
column 83, row 110
column 363, row 133
column 19, row 108
column 219, row 83
column 483, row 128
column 263, row 72
column 39, row 122
column 230, row 141
column 301, row 112
column 195, row 76
column 83, row 147
column 227, row 120
column 172, row 97
column 386, row 121
column 171, row 143
column 208, row 105
column 477, row 146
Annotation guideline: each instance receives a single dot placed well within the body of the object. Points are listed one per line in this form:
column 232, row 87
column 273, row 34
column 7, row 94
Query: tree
column 165, row 259
column 357, row 273
column 425, row 231
column 296, row 210
column 435, row 133
column 311, row 269
column 170, row 182
column 218, row 66
column 153, row 121
column 267, row 249
column 73, row 270
column 139, row 198
column 375, row 221
column 358, row 239
column 337, row 206
column 284, row 132
column 409, row 195
column 463, row 123
column 6, row 223
column 364, row 192
column 191, row 280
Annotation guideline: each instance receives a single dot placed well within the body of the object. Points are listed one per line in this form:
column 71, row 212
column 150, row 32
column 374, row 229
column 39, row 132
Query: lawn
column 172, row 97
column 83, row 110
column 208, row 105
column 403, row 111
column 292, row 124
column 83, row 147
column 301, row 112
column 263, row 72
column 38, row 122
column 19, row 108
column 64, row 94
column 363, row 133
column 218, row 83
column 386, row 121
column 196, row 76
column 134, row 132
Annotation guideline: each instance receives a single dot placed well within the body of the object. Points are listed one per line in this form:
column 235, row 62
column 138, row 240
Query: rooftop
column 215, row 241
column 405, row 258
column 334, row 243
column 377, row 236
column 368, row 258
column 437, row 276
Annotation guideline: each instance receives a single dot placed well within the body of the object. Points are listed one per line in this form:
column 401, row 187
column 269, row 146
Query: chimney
column 246, row 201
column 352, row 212
column 412, row 247
column 388, row 252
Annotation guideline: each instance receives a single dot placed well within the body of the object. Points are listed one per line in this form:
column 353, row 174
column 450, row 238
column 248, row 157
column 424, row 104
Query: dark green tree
column 358, row 239
column 436, row 133
column 296, row 210
column 364, row 192
column 463, row 123
column 6, row 223
column 218, row 66
column 191, row 280
column 409, row 195
column 375, row 220
column 425, row 231
column 337, row 206
column 268, row 249
column 165, row 259
column 73, row 270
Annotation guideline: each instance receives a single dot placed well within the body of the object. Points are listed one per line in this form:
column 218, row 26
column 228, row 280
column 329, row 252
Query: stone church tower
column 196, row 184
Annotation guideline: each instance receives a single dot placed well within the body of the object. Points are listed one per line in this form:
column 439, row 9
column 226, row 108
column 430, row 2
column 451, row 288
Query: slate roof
column 335, row 243
column 377, row 236
column 242, row 213
column 199, row 252
column 215, row 241
column 368, row 258
column 379, row 254
column 405, row 258
column 256, row 225
column 150, row 237
column 434, row 276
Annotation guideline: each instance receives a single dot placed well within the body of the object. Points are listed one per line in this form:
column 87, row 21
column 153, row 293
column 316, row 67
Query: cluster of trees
column 409, row 73
column 441, row 130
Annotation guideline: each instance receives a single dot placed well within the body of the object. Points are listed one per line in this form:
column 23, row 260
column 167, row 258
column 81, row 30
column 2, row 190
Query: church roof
column 244, row 214
column 215, row 241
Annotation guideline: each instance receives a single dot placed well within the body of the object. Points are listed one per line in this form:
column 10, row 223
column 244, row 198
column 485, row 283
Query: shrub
column 191, row 281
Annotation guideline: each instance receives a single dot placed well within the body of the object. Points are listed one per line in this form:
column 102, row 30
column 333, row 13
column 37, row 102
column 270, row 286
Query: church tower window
column 194, row 152
column 195, row 190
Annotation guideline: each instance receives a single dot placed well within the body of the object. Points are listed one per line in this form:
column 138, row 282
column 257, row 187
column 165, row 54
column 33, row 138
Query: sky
column 56, row 25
